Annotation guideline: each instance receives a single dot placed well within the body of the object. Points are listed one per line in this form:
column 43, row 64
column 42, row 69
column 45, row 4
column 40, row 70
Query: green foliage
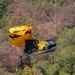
column 2, row 71
column 66, row 55
column 63, row 73
column 44, row 64
column 18, row 72
column 61, row 43
column 53, row 69
column 3, row 6
column 27, row 71
column 69, row 35
column 65, row 59
column 60, row 2
column 46, row 5
column 1, row 24
column 66, row 38
column 29, row 21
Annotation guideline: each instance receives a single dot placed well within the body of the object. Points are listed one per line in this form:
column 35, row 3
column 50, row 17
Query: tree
column 3, row 6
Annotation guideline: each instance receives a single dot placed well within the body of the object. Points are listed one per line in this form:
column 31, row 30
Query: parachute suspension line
column 18, row 51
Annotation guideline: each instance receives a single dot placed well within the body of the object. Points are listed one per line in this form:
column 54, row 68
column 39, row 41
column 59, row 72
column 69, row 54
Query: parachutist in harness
column 21, row 36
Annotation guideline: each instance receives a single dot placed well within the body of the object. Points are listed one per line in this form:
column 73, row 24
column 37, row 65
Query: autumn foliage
column 49, row 18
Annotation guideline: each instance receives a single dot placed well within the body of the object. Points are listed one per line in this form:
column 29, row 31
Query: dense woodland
column 49, row 18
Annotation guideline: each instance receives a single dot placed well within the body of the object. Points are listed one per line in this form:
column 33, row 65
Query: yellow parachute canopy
column 19, row 34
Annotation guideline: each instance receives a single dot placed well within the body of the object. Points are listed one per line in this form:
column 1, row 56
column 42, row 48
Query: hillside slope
column 49, row 18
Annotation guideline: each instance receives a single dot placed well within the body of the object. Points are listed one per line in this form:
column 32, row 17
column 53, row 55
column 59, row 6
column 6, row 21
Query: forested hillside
column 49, row 18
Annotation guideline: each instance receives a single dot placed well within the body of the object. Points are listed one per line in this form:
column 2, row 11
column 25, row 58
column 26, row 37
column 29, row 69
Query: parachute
column 21, row 36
